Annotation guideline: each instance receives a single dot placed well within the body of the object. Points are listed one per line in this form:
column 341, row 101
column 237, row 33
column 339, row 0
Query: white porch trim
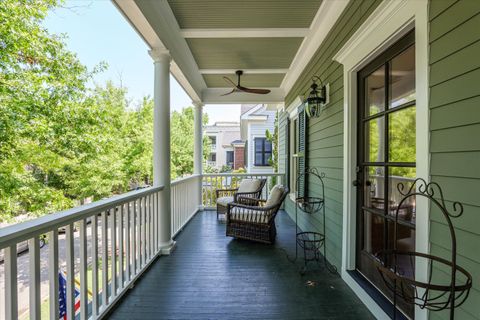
column 388, row 23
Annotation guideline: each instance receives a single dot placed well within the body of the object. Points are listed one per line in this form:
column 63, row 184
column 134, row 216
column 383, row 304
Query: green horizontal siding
column 454, row 138
column 325, row 134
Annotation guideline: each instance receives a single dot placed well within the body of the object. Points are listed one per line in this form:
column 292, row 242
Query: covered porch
column 160, row 253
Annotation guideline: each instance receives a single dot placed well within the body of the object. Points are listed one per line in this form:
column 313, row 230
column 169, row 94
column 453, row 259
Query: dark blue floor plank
column 210, row 276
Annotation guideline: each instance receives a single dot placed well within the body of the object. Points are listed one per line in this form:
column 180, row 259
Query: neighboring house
column 254, row 121
column 225, row 139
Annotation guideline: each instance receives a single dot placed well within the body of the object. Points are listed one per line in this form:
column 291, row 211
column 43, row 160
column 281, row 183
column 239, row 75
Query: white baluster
column 53, row 273
column 120, row 246
column 83, row 271
column 94, row 266
column 128, row 234
column 11, row 299
column 113, row 241
column 34, row 255
column 69, row 237
column 104, row 260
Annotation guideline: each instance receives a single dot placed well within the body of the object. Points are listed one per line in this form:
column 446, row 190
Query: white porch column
column 161, row 144
column 198, row 147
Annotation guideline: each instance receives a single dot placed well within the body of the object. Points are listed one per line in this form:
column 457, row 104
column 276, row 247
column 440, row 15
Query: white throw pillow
column 249, row 185
column 275, row 195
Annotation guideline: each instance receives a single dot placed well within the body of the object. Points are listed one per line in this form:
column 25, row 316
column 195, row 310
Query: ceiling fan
column 238, row 88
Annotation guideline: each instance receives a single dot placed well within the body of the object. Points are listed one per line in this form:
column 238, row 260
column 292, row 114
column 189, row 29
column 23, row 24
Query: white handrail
column 25, row 230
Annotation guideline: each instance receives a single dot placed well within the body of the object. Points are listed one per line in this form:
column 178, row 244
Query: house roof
column 270, row 40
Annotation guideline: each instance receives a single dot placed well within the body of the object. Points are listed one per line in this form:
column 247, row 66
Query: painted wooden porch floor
column 210, row 276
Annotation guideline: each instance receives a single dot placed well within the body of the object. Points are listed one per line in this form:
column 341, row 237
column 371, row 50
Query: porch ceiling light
column 316, row 98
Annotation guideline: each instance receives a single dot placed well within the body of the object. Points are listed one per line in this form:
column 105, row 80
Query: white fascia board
column 214, row 96
column 326, row 17
column 245, row 33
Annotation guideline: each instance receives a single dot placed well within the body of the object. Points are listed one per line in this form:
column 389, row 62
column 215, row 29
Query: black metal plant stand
column 311, row 242
column 433, row 293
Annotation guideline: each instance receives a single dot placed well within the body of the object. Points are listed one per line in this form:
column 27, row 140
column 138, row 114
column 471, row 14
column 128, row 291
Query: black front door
column 386, row 157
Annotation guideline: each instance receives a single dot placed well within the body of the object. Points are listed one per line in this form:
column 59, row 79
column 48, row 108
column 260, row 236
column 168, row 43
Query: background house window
column 263, row 151
column 212, row 157
column 230, row 158
column 213, row 142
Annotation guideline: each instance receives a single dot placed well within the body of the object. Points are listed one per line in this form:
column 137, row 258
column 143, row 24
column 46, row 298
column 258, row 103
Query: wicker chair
column 225, row 196
column 255, row 222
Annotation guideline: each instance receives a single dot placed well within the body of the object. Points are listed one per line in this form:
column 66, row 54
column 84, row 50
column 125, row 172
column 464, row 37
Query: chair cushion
column 249, row 185
column 242, row 214
column 224, row 201
column 275, row 195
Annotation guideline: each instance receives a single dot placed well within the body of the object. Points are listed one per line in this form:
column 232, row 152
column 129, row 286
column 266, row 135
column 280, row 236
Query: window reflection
column 375, row 92
column 402, row 78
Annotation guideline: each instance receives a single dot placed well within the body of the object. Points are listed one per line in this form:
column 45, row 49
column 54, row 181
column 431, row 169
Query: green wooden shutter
column 302, row 150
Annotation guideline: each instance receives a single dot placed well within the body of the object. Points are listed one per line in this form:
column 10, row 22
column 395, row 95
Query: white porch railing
column 107, row 245
column 117, row 240
column 212, row 182
column 185, row 194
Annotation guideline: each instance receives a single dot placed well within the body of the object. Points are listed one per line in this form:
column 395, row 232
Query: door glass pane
column 374, row 140
column 375, row 92
column 373, row 233
column 374, row 189
column 401, row 179
column 401, row 127
column 402, row 78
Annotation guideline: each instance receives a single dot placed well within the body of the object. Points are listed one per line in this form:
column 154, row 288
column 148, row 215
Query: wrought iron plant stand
column 431, row 293
column 310, row 241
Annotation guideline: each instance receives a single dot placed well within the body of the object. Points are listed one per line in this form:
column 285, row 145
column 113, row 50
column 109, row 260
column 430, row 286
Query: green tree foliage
column 61, row 141
column 182, row 142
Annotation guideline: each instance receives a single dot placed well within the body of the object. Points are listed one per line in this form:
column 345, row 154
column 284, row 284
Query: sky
column 98, row 32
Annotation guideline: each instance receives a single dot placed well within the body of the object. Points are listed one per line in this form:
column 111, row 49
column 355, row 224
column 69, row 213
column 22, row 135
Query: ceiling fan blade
column 226, row 94
column 256, row 91
column 227, row 79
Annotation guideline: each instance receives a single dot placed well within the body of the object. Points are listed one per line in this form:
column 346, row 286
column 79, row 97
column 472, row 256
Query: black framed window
column 263, row 151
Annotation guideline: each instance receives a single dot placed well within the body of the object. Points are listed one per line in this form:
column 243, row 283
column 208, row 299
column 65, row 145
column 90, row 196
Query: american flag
column 62, row 296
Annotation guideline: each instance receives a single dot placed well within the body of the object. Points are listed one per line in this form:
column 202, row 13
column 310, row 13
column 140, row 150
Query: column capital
column 160, row 55
column 198, row 104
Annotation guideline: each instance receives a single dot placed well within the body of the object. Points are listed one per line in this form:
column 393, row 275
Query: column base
column 167, row 247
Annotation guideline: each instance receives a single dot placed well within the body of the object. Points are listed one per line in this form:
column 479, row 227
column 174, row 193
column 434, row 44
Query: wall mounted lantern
column 317, row 98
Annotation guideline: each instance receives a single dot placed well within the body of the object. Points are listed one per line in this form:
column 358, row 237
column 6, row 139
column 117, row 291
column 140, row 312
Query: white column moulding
column 161, row 144
column 198, row 148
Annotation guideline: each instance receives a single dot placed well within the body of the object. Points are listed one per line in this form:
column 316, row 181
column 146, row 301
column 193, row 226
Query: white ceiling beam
column 245, row 71
column 214, row 96
column 245, row 33
column 325, row 18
